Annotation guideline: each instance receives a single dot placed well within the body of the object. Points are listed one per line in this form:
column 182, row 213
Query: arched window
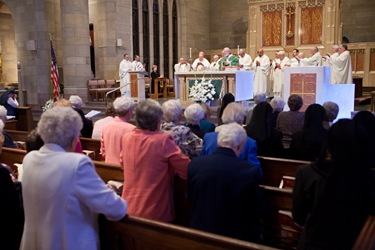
column 155, row 8
column 135, row 27
column 146, row 36
column 166, row 37
column 163, row 15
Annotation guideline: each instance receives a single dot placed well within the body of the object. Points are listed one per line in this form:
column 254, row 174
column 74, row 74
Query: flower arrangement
column 203, row 91
column 48, row 105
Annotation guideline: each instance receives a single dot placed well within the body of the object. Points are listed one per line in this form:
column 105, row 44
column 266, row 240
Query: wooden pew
column 366, row 238
column 279, row 229
column 17, row 135
column 92, row 145
column 109, row 171
column 275, row 168
column 10, row 156
column 25, row 119
column 133, row 233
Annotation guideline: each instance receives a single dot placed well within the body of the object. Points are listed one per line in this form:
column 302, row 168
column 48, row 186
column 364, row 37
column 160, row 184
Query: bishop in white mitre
column 244, row 61
column 314, row 60
column 201, row 63
column 261, row 65
column 341, row 66
column 215, row 65
column 124, row 68
column 278, row 75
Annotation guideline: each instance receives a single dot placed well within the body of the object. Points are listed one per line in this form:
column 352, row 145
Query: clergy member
column 244, row 61
column 278, row 75
column 137, row 65
column 335, row 52
column 229, row 59
column 181, row 66
column 125, row 67
column 215, row 64
column 261, row 65
column 201, row 63
column 293, row 61
column 342, row 66
column 314, row 60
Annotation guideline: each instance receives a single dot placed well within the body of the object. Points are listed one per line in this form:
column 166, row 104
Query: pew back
column 17, row 135
column 275, row 168
column 10, row 156
column 109, row 171
column 134, row 233
column 92, row 145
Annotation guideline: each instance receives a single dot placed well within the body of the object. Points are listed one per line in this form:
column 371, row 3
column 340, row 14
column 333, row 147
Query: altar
column 313, row 85
column 239, row 83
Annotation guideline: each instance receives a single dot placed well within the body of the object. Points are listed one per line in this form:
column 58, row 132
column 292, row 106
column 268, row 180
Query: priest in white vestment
column 261, row 66
column 182, row 66
column 215, row 65
column 293, row 61
column 278, row 75
column 137, row 65
column 244, row 61
column 341, row 68
column 201, row 63
column 314, row 60
column 328, row 62
column 124, row 68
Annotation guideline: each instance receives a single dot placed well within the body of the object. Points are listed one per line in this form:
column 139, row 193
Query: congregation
column 220, row 164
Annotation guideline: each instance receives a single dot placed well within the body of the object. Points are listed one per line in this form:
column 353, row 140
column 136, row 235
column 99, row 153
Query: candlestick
column 190, row 53
column 238, row 49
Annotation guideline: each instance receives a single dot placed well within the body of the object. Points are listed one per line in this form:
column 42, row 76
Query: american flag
column 54, row 75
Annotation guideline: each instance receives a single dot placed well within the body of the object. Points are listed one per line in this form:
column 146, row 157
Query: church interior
column 90, row 39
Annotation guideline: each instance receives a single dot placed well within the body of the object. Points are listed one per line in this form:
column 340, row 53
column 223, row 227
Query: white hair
column 259, row 97
column 59, row 125
column 1, row 126
column 172, row 110
column 194, row 113
column 3, row 113
column 216, row 56
column 123, row 105
column 281, row 52
column 234, row 112
column 231, row 135
column 148, row 114
column 76, row 101
column 277, row 104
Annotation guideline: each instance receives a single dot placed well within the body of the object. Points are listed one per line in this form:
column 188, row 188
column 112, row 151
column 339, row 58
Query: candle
column 190, row 53
column 238, row 49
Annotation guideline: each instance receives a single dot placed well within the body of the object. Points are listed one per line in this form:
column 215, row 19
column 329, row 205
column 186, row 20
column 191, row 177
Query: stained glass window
column 156, row 34
column 166, row 37
column 146, row 36
column 135, row 27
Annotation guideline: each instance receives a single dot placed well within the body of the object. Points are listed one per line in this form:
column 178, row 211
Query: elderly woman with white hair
column 151, row 159
column 194, row 113
column 233, row 113
column 277, row 104
column 184, row 138
column 77, row 103
column 113, row 131
column 67, row 186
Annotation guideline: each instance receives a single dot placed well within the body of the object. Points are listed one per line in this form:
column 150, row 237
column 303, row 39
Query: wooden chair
column 92, row 86
column 170, row 88
column 108, row 86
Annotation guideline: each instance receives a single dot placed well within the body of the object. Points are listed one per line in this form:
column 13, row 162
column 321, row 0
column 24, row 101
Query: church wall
column 196, row 21
column 228, row 23
column 112, row 21
column 358, row 18
column 8, row 49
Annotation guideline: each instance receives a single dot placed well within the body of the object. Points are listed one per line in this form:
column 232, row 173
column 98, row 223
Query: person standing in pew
column 62, row 193
column 87, row 128
column 223, row 189
column 112, row 133
column 9, row 100
column 11, row 209
column 8, row 142
column 333, row 197
column 151, row 159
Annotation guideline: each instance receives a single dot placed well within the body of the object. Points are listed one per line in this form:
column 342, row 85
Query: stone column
column 75, row 47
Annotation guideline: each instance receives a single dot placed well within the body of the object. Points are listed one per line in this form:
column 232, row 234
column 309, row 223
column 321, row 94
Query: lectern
column 137, row 85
